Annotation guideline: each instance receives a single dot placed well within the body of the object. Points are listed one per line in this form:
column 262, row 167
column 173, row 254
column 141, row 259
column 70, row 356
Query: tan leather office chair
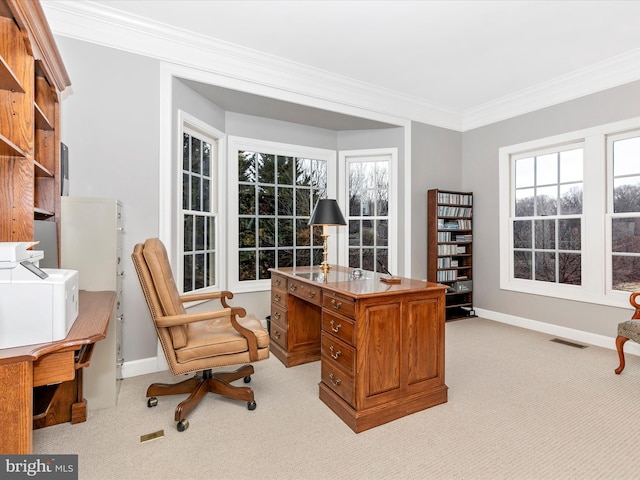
column 628, row 330
column 197, row 342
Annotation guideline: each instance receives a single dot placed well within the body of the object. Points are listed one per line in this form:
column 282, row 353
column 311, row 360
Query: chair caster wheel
column 152, row 402
column 182, row 425
column 247, row 379
column 251, row 405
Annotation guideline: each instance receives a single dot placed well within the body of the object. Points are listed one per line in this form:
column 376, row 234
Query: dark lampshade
column 327, row 212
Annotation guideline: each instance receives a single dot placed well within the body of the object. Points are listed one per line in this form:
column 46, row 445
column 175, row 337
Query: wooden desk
column 381, row 345
column 23, row 368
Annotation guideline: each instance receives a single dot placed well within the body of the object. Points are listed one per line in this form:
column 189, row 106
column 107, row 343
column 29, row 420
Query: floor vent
column 566, row 342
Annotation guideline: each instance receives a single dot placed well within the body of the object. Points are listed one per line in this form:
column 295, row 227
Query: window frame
column 189, row 123
column 596, row 232
column 610, row 215
column 374, row 154
column 236, row 144
column 535, row 218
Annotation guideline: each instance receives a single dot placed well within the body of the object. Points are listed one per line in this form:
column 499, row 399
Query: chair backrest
column 156, row 279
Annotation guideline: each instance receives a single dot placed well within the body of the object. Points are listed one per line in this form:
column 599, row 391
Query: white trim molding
column 241, row 68
column 264, row 74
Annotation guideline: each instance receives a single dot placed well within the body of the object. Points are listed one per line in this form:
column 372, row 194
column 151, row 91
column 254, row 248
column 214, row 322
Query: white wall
column 109, row 121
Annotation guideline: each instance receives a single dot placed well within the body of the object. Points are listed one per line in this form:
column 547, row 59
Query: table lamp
column 326, row 213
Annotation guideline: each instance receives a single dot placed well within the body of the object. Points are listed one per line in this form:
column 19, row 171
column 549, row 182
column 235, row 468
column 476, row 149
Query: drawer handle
column 278, row 282
column 311, row 294
column 277, row 315
column 334, row 355
column 293, row 287
column 335, row 304
column 276, row 334
column 335, row 329
column 336, row 381
column 276, row 297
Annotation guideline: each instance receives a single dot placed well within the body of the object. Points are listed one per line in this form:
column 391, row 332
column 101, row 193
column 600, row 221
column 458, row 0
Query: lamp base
column 325, row 267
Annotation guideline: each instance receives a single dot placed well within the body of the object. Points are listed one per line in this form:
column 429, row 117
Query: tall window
column 570, row 214
column 547, row 216
column 199, row 211
column 368, row 214
column 624, row 151
column 277, row 187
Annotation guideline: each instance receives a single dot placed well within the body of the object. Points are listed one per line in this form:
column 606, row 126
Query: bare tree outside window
column 625, row 222
column 547, row 223
column 368, row 214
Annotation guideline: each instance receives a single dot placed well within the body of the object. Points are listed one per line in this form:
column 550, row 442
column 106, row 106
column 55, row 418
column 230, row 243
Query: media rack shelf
column 450, row 248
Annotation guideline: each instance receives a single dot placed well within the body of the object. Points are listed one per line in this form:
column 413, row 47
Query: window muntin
column 546, row 216
column 624, row 154
column 198, row 211
column 276, row 195
column 368, row 214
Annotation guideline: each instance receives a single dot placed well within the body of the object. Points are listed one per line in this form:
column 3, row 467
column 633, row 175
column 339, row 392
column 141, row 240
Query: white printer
column 36, row 305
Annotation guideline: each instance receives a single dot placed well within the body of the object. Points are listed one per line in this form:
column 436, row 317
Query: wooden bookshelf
column 32, row 76
column 450, row 248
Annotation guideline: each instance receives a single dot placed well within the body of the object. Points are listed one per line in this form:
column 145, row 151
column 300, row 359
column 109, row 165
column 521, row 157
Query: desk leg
column 79, row 407
column 16, row 407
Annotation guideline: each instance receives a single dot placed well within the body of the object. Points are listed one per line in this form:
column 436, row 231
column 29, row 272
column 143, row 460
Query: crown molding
column 600, row 76
column 238, row 67
column 256, row 72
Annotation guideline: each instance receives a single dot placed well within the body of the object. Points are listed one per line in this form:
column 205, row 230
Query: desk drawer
column 54, row 368
column 279, row 335
column 279, row 316
column 279, row 297
column 278, row 282
column 337, row 303
column 309, row 293
column 339, row 381
column 338, row 326
column 338, row 352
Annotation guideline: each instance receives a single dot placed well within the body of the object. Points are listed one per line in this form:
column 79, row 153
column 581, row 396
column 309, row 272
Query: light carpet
column 520, row 407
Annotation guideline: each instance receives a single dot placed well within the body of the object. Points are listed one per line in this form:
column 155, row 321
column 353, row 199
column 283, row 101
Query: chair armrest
column 223, row 295
column 634, row 304
column 252, row 341
column 183, row 319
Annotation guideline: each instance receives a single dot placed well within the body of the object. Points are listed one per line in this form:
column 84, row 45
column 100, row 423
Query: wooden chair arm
column 252, row 341
column 223, row 295
column 634, row 303
column 183, row 319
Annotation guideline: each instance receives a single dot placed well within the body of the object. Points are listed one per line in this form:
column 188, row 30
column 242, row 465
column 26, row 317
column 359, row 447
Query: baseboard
column 143, row 366
column 558, row 331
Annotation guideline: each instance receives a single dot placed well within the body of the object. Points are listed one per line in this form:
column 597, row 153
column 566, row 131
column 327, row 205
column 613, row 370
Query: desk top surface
column 342, row 280
column 90, row 326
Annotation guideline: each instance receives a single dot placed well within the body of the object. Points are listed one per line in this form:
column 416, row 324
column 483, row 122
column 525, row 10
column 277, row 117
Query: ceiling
column 457, row 56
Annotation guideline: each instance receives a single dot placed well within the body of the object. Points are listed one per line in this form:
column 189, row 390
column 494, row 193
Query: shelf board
column 42, row 122
column 10, row 149
column 8, row 80
column 41, row 171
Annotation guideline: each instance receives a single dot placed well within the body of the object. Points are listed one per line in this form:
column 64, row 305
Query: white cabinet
column 91, row 242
